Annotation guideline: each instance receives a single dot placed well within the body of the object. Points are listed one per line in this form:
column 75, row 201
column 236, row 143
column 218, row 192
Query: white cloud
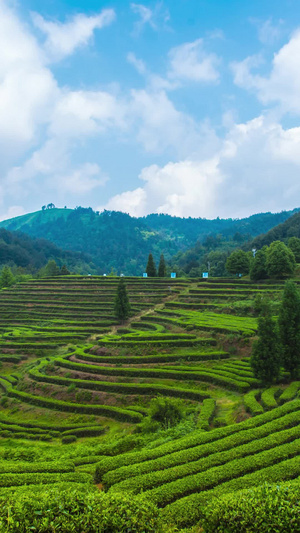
column 160, row 126
column 41, row 124
column 86, row 113
column 153, row 17
column 12, row 212
column 53, row 164
column 26, row 87
column 282, row 85
column 231, row 181
column 146, row 15
column 189, row 61
column 63, row 38
column 268, row 31
column 133, row 202
column 138, row 64
column 81, row 180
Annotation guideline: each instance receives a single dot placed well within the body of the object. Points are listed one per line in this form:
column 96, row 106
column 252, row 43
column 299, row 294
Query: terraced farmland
column 82, row 385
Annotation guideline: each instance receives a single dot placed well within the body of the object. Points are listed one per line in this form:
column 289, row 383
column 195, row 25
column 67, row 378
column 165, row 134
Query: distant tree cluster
column 278, row 341
column 52, row 270
column 151, row 267
column 48, row 206
column 274, row 261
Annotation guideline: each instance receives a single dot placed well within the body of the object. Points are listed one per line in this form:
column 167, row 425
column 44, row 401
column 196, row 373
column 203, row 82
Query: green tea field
column 78, row 393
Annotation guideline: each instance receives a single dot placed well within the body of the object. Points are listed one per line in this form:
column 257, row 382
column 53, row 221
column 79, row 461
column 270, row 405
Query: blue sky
column 187, row 107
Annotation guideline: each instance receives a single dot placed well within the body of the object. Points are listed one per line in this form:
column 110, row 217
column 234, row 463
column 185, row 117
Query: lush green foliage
column 258, row 267
column 100, row 236
column 151, row 268
column 266, row 353
column 180, row 453
column 121, row 303
column 294, row 245
column 238, row 263
column 282, row 232
column 266, row 509
column 251, row 403
column 166, row 411
column 280, row 260
column 289, row 328
column 161, row 267
column 31, row 254
column 206, row 413
column 196, row 439
column 72, row 510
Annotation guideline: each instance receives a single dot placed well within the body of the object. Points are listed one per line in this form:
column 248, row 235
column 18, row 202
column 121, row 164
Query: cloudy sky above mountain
column 186, row 107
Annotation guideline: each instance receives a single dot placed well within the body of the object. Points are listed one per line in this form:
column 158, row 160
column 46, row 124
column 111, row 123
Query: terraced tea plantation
column 78, row 391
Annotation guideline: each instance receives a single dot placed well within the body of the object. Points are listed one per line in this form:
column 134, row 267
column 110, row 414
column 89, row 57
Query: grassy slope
column 29, row 219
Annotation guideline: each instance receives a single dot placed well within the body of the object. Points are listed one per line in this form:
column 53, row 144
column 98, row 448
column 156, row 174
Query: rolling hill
column 21, row 250
column 118, row 241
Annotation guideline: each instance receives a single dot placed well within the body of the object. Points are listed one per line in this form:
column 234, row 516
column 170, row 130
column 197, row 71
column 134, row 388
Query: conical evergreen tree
column 266, row 352
column 162, row 267
column 64, row 271
column 151, row 268
column 121, row 304
column 289, row 328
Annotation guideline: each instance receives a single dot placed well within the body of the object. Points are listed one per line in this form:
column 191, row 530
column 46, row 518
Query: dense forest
column 121, row 243
column 31, row 254
column 282, row 232
column 212, row 253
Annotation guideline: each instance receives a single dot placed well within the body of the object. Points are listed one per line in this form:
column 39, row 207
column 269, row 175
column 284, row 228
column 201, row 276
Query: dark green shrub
column 166, row 411
column 4, row 401
column 67, row 439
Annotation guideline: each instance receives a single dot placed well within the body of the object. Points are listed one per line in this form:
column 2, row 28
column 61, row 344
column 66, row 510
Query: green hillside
column 31, row 254
column 118, row 241
column 282, row 232
column 38, row 217
column 152, row 422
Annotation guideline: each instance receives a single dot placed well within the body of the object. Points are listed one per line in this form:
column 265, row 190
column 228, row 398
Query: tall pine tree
column 151, row 268
column 289, row 328
column 121, row 303
column 266, row 352
column 162, row 267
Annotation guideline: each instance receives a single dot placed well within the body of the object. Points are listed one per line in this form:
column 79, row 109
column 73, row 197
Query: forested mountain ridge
column 31, row 254
column 281, row 232
column 118, row 241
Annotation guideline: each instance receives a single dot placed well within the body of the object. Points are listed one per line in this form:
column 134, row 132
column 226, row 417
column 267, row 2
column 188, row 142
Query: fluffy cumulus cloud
column 42, row 123
column 63, row 38
column 160, row 126
column 233, row 180
column 282, row 85
column 45, row 128
column 26, row 86
column 190, row 62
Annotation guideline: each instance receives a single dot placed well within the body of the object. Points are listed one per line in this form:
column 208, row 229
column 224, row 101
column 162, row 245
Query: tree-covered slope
column 21, row 250
column 282, row 232
column 117, row 240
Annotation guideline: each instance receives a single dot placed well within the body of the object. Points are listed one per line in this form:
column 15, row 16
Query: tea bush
column 267, row 509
